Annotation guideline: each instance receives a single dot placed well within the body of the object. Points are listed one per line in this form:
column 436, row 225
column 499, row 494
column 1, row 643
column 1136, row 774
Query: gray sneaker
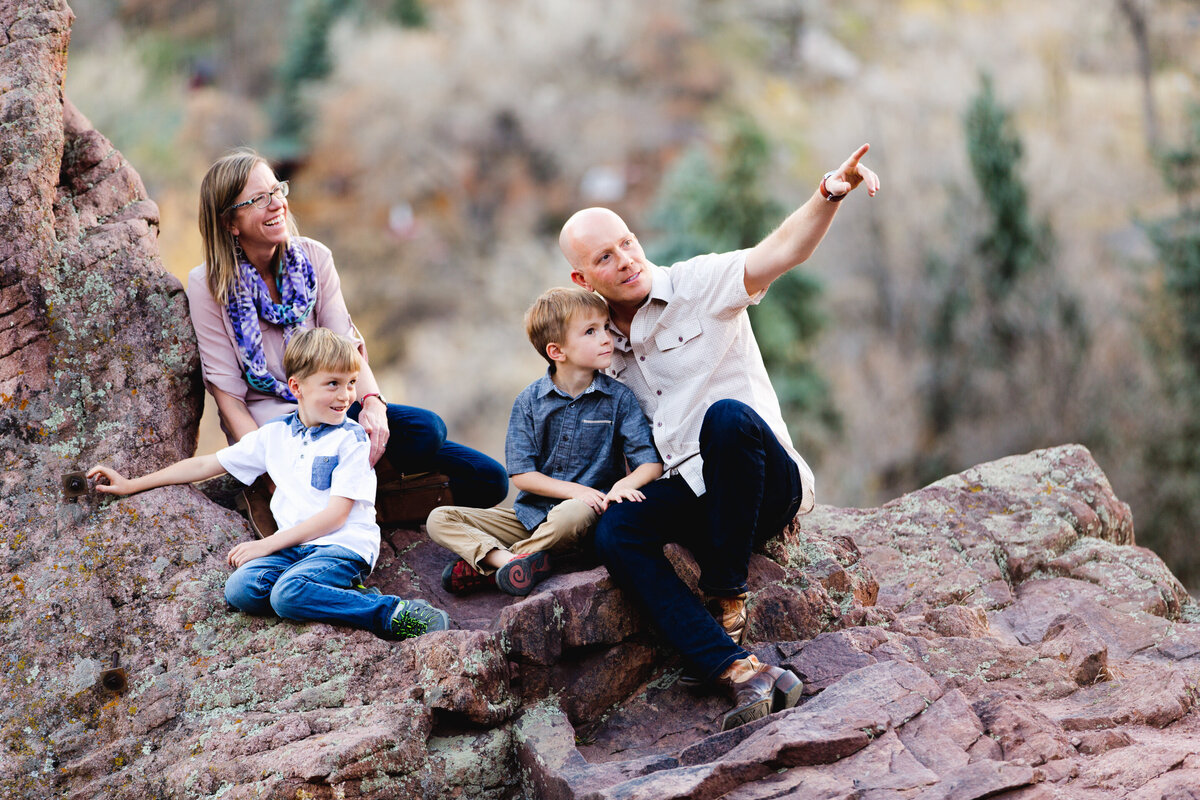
column 414, row 617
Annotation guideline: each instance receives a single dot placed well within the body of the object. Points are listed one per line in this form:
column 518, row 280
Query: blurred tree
column 1172, row 454
column 700, row 211
column 305, row 59
column 409, row 13
column 1002, row 328
column 1137, row 15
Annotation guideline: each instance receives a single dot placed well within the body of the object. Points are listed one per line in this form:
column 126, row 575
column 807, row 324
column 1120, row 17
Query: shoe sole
column 785, row 694
column 747, row 713
column 519, row 576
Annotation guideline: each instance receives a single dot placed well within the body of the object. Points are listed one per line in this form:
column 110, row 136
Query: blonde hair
column 223, row 182
column 320, row 350
column 547, row 319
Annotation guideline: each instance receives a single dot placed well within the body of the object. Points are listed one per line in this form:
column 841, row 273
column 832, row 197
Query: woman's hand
column 373, row 418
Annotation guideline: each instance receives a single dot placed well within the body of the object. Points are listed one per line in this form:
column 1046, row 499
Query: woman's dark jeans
column 752, row 489
column 418, row 444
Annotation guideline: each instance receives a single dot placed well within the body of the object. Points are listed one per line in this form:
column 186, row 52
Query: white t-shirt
column 308, row 466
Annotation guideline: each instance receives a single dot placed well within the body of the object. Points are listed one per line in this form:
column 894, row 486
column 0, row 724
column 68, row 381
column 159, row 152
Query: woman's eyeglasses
column 262, row 200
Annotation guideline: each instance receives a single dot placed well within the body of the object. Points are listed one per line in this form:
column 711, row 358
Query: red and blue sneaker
column 459, row 577
column 520, row 575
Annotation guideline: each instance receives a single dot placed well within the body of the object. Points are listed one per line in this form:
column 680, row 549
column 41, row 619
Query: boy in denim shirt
column 324, row 502
column 573, row 436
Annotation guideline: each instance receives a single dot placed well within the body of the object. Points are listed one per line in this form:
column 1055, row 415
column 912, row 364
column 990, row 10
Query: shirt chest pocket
column 682, row 354
column 322, row 472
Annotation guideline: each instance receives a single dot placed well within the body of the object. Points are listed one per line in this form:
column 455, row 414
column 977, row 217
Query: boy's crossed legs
column 474, row 533
column 315, row 583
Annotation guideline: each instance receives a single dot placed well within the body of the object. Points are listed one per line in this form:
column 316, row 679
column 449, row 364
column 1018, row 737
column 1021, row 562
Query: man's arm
column 189, row 470
column 332, row 517
column 795, row 240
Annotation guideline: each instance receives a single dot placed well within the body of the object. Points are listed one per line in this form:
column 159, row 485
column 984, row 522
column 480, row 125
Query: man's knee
column 729, row 420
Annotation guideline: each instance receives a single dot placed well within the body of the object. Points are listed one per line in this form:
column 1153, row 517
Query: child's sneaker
column 414, row 617
column 520, row 575
column 459, row 577
column 359, row 587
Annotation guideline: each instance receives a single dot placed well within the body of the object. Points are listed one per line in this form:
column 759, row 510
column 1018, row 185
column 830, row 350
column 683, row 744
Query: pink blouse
column 214, row 334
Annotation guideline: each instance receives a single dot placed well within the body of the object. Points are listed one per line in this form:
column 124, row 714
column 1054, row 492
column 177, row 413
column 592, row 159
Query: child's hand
column 116, row 483
column 595, row 498
column 621, row 493
column 248, row 551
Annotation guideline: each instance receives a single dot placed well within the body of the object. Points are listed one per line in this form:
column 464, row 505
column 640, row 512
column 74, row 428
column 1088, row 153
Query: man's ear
column 579, row 280
column 552, row 350
column 294, row 387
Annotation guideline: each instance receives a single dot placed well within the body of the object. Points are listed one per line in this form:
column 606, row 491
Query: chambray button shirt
column 587, row 439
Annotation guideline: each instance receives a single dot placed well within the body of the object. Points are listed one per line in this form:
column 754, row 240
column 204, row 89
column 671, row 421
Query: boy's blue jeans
column 418, row 444
column 310, row 583
column 752, row 490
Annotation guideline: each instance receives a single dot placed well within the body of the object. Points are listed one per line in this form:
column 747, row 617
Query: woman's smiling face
column 258, row 228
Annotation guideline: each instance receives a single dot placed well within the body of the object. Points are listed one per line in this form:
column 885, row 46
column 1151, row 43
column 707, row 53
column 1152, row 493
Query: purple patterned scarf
column 251, row 300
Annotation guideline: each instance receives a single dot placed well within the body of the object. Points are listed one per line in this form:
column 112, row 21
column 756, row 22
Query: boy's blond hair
column 320, row 350
column 547, row 319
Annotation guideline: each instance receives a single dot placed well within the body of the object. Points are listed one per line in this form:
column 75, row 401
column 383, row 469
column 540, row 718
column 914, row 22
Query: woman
column 259, row 282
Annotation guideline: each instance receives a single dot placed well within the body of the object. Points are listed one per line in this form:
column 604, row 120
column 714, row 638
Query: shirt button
column 660, row 424
column 643, row 358
column 681, row 338
column 564, row 438
column 659, row 391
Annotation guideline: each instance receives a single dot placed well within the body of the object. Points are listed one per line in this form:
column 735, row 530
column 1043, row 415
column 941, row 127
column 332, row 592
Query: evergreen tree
column 1172, row 455
column 409, row 13
column 305, row 59
column 1001, row 318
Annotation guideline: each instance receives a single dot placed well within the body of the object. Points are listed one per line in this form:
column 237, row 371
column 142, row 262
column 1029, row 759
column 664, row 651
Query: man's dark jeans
column 417, row 443
column 752, row 489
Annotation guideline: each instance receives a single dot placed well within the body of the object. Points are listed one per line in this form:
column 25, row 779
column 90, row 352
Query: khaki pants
column 472, row 533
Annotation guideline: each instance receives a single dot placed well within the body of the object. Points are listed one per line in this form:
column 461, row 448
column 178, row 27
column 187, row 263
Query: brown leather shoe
column 758, row 690
column 731, row 613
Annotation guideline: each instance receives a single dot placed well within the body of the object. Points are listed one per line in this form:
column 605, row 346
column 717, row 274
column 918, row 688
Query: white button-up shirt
column 310, row 465
column 690, row 344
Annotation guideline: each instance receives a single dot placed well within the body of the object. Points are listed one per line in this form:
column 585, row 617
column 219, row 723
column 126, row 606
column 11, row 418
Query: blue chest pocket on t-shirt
column 322, row 472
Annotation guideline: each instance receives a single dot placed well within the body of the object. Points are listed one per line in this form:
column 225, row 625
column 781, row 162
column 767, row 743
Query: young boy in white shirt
column 324, row 502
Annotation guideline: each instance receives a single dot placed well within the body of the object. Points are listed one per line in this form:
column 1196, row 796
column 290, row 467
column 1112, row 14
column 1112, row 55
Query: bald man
column 683, row 344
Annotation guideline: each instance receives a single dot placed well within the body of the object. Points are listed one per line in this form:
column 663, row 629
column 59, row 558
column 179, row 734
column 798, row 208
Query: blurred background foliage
column 1030, row 274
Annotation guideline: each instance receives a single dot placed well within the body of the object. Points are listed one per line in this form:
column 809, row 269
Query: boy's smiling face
column 324, row 397
column 588, row 343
